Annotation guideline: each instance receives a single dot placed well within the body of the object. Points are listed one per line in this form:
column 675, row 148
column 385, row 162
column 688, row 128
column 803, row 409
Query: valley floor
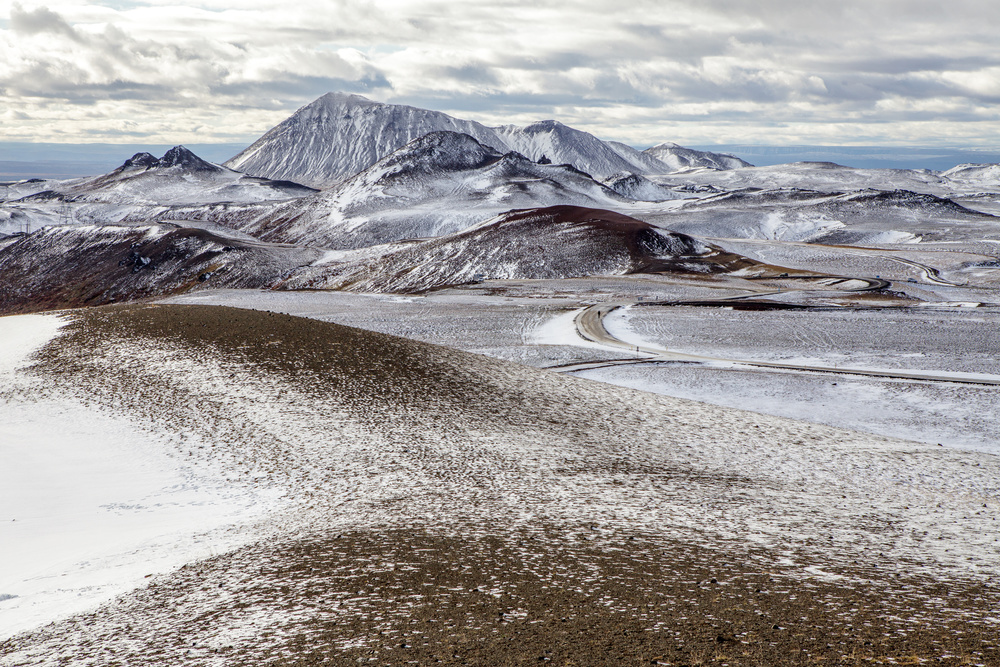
column 532, row 322
column 379, row 500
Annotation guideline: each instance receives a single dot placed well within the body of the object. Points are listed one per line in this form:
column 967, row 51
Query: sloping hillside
column 555, row 242
column 60, row 267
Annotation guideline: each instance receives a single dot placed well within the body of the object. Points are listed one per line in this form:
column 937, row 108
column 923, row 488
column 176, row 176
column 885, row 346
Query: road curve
column 590, row 326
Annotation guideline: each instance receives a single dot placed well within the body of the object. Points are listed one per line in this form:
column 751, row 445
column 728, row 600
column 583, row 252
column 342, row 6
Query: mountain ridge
column 339, row 135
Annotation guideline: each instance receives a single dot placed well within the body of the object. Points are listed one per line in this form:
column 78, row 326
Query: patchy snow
column 561, row 330
column 952, row 415
column 617, row 324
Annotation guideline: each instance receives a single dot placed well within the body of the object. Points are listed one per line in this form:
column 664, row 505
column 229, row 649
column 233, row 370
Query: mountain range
column 416, row 199
column 437, row 184
column 339, row 135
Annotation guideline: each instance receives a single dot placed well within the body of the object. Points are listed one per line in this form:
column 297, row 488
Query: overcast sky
column 892, row 72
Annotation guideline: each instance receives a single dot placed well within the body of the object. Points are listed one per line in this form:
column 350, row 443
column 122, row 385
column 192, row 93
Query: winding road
column 590, row 326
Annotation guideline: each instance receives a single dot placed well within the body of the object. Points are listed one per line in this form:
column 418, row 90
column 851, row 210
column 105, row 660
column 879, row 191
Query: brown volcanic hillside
column 544, row 243
column 60, row 267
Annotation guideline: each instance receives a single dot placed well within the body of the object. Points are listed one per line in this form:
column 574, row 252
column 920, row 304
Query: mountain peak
column 340, row 135
column 443, row 150
column 544, row 126
column 678, row 157
column 337, row 101
column 178, row 156
column 143, row 160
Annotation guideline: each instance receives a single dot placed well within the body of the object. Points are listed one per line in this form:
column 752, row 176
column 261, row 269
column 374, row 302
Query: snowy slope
column 646, row 163
column 639, row 188
column 858, row 217
column 677, row 158
column 93, row 501
column 551, row 141
column 382, row 447
column 179, row 177
column 984, row 177
column 339, row 135
column 821, row 176
column 438, row 184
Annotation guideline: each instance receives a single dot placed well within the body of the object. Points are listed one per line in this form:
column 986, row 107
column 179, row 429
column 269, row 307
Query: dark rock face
column 142, row 160
column 442, row 151
column 67, row 267
column 178, row 156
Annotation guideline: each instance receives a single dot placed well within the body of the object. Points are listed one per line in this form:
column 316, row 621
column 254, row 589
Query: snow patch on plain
column 561, row 330
column 617, row 324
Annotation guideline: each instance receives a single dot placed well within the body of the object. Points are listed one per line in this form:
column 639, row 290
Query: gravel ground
column 438, row 506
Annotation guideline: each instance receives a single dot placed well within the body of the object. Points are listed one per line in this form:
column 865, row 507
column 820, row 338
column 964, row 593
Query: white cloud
column 643, row 71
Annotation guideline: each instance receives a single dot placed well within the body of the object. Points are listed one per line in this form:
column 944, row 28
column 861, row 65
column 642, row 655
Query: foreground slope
column 444, row 507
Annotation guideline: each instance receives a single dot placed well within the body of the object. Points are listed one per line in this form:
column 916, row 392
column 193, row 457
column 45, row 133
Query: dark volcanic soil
column 71, row 267
column 477, row 553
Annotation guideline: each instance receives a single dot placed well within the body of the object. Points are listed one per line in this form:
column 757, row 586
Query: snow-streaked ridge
column 339, row 135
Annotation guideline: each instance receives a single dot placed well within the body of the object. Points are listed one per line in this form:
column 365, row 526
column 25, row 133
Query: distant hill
column 547, row 243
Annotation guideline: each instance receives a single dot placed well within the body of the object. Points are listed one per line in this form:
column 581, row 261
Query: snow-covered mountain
column 179, row 177
column 820, row 176
column 142, row 188
column 549, row 243
column 438, row 184
column 550, row 141
column 339, row 135
column 975, row 176
column 677, row 158
column 639, row 188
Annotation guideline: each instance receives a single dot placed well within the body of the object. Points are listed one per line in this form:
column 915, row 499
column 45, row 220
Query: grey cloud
column 771, row 61
column 680, row 44
column 294, row 88
column 478, row 74
column 40, row 81
column 40, row 20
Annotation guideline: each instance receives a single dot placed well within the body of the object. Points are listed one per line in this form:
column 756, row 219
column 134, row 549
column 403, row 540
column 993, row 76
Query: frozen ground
column 91, row 501
column 366, row 437
column 949, row 414
column 539, row 331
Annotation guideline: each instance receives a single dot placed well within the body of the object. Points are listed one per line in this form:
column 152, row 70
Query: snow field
column 92, row 501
